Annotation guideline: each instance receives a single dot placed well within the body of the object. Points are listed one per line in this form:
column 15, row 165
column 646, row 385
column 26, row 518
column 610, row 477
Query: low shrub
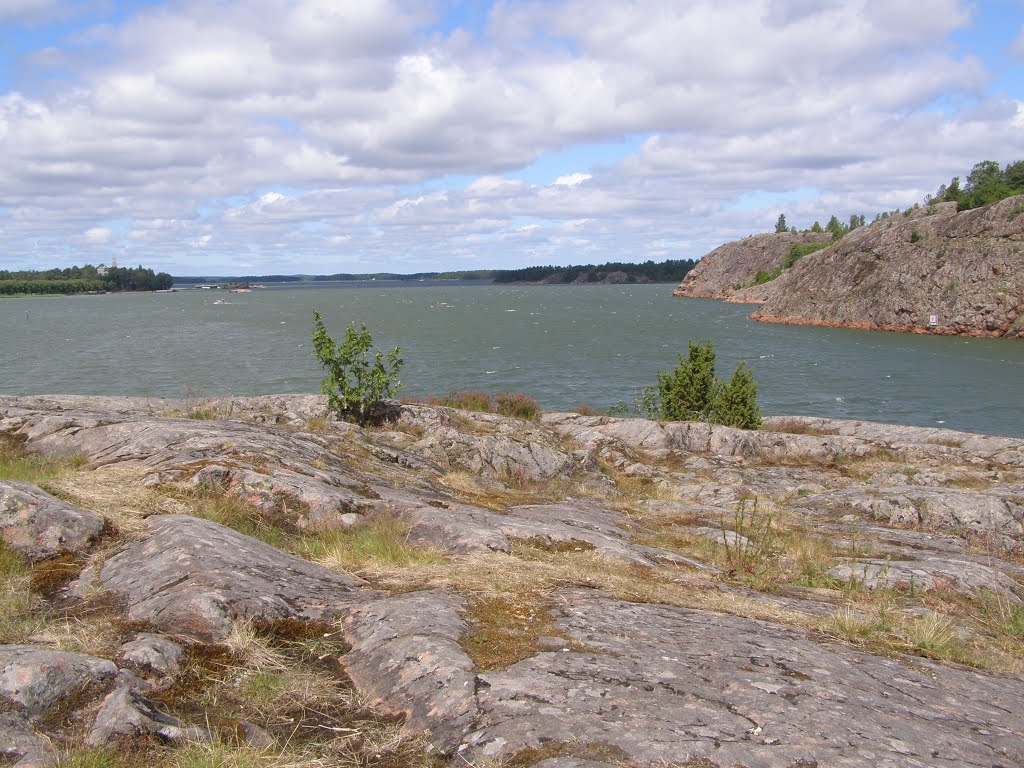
column 691, row 392
column 465, row 400
column 356, row 384
column 518, row 405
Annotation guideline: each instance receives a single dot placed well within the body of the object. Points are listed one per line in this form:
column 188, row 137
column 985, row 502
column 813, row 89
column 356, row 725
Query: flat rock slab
column 995, row 515
column 461, row 528
column 666, row 685
column 36, row 678
column 258, row 463
column 196, row 577
column 40, row 525
column 927, row 575
column 406, row 660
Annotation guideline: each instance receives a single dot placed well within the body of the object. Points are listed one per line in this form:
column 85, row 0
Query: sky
column 231, row 137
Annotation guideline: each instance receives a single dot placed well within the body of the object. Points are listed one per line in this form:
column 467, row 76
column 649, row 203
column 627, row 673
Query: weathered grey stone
column 36, row 678
column 406, row 659
column 127, row 713
column 522, row 454
column 461, row 528
column 156, row 652
column 626, row 437
column 927, row 575
column 996, row 515
column 194, row 576
column 255, row 737
column 670, row 685
column 261, row 464
column 40, row 525
column 21, row 746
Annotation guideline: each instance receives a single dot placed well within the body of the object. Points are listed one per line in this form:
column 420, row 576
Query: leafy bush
column 986, row 183
column 691, row 392
column 356, row 384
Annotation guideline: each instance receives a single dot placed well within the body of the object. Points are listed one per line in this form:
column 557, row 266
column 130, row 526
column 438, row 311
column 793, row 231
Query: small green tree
column 688, row 392
column 356, row 384
column 736, row 403
column 691, row 392
column 780, row 225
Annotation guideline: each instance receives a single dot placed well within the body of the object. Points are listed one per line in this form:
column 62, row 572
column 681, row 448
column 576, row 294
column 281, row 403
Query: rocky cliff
column 248, row 582
column 719, row 274
column 932, row 271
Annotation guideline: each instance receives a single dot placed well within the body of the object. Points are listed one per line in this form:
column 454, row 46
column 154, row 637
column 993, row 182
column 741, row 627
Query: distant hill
column 931, row 270
column 729, row 271
column 927, row 270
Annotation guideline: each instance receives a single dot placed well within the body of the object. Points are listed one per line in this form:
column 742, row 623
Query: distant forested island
column 87, row 279
column 613, row 272
column 670, row 271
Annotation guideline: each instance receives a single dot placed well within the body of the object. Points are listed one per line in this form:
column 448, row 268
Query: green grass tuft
column 380, row 542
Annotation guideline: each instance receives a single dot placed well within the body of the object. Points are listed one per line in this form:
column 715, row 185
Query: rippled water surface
column 565, row 345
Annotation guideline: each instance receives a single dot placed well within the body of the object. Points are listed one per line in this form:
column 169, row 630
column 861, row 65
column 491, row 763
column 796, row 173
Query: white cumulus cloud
column 98, row 235
column 322, row 135
column 572, row 179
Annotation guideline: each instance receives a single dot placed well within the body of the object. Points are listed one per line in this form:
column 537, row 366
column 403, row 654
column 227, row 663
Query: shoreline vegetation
column 82, row 280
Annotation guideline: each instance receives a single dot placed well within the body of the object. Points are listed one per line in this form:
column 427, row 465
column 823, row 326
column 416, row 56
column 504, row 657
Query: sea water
column 565, row 345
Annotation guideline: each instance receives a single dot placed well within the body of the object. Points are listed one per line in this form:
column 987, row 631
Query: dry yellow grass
column 117, row 493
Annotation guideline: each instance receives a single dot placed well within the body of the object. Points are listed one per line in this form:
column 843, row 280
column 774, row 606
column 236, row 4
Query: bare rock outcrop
column 40, row 525
column 20, row 745
column 995, row 515
column 721, row 273
column 653, row 593
column 662, row 685
column 194, row 576
column 932, row 271
column 406, row 657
